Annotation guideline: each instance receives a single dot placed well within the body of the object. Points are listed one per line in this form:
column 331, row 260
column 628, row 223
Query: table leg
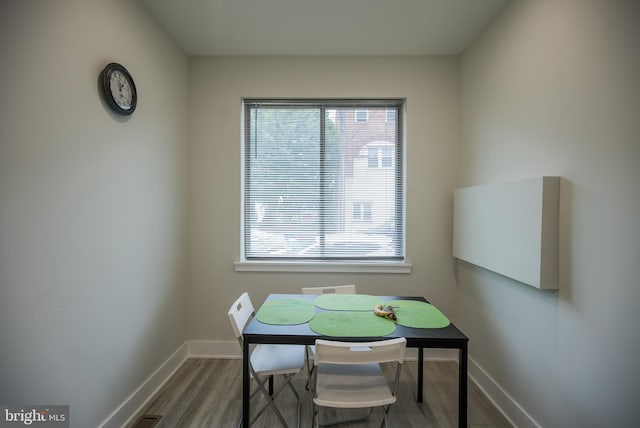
column 462, row 387
column 420, row 372
column 246, row 392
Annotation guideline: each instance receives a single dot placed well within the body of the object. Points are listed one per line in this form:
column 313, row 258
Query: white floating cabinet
column 510, row 228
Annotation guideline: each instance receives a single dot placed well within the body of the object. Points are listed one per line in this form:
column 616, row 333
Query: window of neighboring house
column 372, row 157
column 361, row 115
column 362, row 212
column 305, row 170
column 386, row 157
column 380, row 157
column 391, row 115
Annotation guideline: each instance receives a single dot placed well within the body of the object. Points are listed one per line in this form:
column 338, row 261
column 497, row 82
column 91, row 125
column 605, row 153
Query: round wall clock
column 118, row 89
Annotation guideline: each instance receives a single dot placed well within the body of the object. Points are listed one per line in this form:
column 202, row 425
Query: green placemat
column 412, row 313
column 351, row 324
column 346, row 302
column 286, row 311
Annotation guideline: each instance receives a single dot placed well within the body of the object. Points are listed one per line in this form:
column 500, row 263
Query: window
column 361, row 115
column 372, row 157
column 362, row 212
column 308, row 190
column 386, row 157
column 380, row 156
column 391, row 116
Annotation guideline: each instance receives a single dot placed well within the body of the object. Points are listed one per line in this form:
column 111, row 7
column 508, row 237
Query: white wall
column 552, row 88
column 216, row 86
column 92, row 207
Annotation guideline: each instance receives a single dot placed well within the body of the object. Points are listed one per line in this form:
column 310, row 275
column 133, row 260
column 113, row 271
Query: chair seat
column 352, row 386
column 270, row 360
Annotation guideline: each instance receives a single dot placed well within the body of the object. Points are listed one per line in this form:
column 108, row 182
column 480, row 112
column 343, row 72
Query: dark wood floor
column 207, row 393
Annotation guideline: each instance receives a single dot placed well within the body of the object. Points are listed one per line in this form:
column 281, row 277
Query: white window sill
column 332, row 267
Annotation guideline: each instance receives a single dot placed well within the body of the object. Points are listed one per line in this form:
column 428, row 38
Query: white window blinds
column 320, row 185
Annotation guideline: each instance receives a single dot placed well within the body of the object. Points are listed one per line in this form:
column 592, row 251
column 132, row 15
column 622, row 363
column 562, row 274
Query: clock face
column 118, row 89
column 121, row 90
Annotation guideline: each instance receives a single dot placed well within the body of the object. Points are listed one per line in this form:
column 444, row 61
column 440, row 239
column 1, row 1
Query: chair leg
column 311, row 404
column 271, row 398
column 262, row 409
column 271, row 404
column 297, row 399
column 385, row 412
column 309, row 368
column 316, row 417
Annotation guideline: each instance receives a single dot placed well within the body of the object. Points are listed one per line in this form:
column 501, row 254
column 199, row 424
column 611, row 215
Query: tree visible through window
column 309, row 191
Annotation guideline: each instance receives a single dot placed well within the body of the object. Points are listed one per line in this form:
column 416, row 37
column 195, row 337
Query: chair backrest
column 383, row 351
column 240, row 313
column 338, row 289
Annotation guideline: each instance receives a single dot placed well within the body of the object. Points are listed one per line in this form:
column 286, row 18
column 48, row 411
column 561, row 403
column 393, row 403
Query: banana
column 386, row 312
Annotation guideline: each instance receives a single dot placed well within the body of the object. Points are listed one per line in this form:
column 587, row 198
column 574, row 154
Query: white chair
column 267, row 360
column 348, row 375
column 339, row 289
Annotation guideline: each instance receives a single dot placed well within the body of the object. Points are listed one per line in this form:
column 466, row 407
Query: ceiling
column 324, row 27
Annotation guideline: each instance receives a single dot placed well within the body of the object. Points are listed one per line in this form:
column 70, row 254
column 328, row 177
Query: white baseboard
column 224, row 349
column 229, row 349
column 510, row 409
column 124, row 414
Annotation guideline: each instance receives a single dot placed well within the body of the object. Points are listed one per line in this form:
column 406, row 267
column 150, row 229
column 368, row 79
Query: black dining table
column 449, row 337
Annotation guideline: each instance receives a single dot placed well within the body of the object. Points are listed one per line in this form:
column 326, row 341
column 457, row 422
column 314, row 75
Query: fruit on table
column 386, row 312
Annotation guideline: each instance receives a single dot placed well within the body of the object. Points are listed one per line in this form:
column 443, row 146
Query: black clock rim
column 106, row 91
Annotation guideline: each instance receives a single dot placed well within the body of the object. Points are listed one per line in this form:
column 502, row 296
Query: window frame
column 396, row 264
